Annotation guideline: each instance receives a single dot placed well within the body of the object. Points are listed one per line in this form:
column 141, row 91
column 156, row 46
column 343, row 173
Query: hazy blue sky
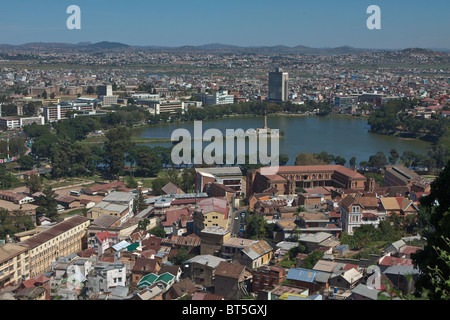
column 319, row 23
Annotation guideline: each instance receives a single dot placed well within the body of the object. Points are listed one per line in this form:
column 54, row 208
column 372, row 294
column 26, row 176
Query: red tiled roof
column 393, row 261
column 174, row 215
column 334, row 214
column 102, row 236
column 320, row 168
column 107, row 186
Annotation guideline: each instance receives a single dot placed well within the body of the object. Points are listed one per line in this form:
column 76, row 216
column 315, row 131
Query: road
column 235, row 224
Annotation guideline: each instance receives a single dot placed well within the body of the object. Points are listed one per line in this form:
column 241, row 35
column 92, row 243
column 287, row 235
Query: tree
column 158, row 184
column 378, row 160
column 305, row 158
column 339, row 160
column 130, row 182
column 182, row 256
column 34, row 183
column 139, row 203
column 13, row 222
column 26, row 162
column 158, row 232
column 148, row 163
column 47, row 204
column 439, row 154
column 283, row 159
column 394, row 155
column 433, row 261
column 143, row 224
column 352, row 162
column 118, row 143
column 256, row 227
column 7, row 179
column 311, row 260
column 187, row 183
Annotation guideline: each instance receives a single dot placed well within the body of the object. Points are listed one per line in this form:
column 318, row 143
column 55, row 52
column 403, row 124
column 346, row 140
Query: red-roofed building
column 102, row 241
column 388, row 261
column 211, row 212
column 290, row 178
column 174, row 218
column 41, row 281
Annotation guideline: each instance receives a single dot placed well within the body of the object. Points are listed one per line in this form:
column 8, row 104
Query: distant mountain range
column 213, row 47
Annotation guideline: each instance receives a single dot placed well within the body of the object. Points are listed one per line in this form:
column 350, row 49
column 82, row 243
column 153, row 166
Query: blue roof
column 300, row 274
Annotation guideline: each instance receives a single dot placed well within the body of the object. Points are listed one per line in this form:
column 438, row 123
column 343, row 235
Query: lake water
column 341, row 136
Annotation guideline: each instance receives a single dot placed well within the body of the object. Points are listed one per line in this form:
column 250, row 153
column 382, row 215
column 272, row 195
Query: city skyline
column 246, row 24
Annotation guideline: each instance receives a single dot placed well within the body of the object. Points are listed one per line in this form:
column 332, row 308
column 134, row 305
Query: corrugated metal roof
column 54, row 231
column 300, row 274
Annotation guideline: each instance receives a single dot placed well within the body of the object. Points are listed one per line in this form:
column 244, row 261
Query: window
column 355, row 209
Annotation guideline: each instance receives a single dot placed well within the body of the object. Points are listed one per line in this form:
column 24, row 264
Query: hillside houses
column 185, row 246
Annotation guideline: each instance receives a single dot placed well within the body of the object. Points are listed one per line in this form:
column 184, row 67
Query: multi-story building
column 61, row 239
column 109, row 100
column 267, row 277
column 290, row 178
column 14, row 264
column 30, row 120
column 117, row 203
column 217, row 98
column 278, row 85
column 211, row 212
column 357, row 211
column 399, row 175
column 104, row 90
column 10, row 123
column 230, row 177
column 19, row 122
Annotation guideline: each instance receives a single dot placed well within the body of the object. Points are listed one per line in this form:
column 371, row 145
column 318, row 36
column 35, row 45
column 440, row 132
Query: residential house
column 106, row 276
column 102, row 241
column 163, row 281
column 183, row 288
column 363, row 292
column 286, row 230
column 172, row 269
column 257, row 254
column 232, row 280
column 142, row 267
column 206, row 296
column 402, row 277
column 266, row 195
column 212, row 239
column 398, row 205
column 387, row 261
column 304, row 278
column 316, row 222
column 316, row 240
column 357, row 211
column 175, row 221
column 201, row 269
column 190, row 243
column 218, row 190
column 149, row 293
column 394, row 247
column 119, row 204
column 210, row 212
column 283, row 292
column 346, row 280
column 171, row 188
column 314, row 196
column 68, row 202
column 40, row 282
column 267, row 277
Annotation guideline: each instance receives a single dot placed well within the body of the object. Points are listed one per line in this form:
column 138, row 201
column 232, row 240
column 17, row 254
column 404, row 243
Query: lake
column 340, row 136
